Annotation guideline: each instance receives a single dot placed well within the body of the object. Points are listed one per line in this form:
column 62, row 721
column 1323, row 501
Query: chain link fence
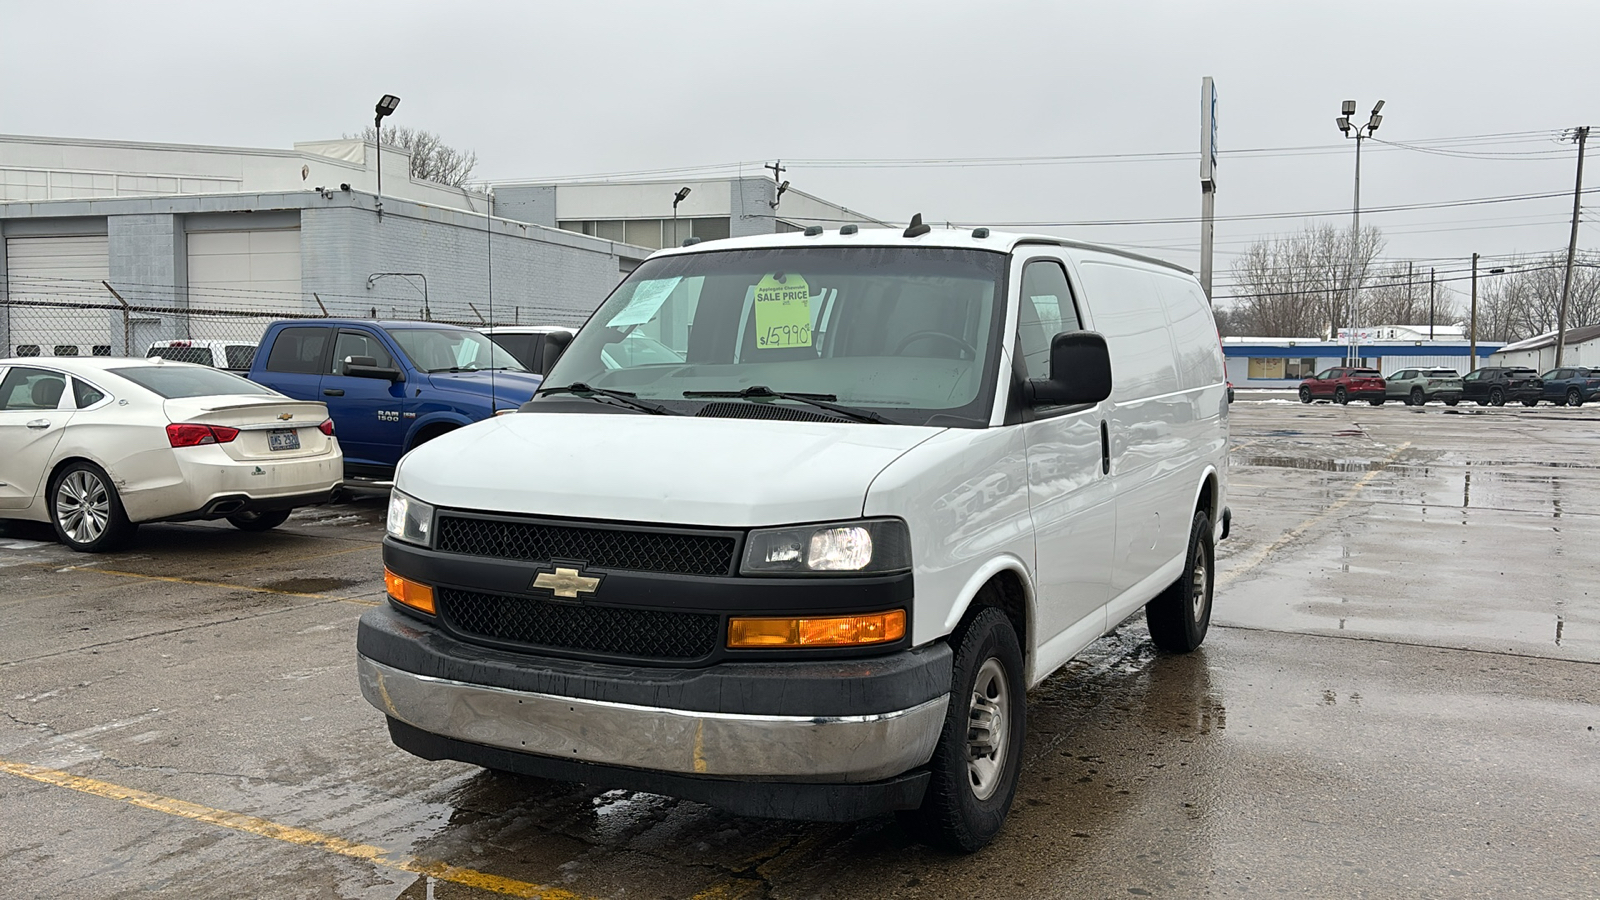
column 108, row 319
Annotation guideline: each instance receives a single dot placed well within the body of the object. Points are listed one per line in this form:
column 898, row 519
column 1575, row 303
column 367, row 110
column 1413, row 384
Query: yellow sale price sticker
column 783, row 312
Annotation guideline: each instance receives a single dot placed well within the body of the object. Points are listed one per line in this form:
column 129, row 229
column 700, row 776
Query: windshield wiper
column 454, row 369
column 820, row 401
column 578, row 388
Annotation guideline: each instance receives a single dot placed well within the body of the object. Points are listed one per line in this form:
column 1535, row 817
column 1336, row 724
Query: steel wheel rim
column 83, row 506
column 1199, row 581
column 988, row 729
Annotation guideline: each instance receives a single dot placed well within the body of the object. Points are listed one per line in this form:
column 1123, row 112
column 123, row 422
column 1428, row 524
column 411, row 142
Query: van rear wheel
column 1180, row 615
column 979, row 756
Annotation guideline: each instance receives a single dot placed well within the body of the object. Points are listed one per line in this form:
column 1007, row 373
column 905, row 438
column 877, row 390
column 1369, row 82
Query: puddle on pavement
column 1321, row 465
column 307, row 585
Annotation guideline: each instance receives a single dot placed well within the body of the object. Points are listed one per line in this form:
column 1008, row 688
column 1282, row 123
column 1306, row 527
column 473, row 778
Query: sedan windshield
column 172, row 382
column 453, row 350
column 906, row 334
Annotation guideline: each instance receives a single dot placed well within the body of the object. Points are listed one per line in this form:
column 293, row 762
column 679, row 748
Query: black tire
column 1497, row 397
column 258, row 521
column 1178, row 618
column 1574, row 398
column 1417, row 398
column 1339, row 397
column 959, row 812
column 1530, row 401
column 1378, row 402
column 86, row 511
column 1452, row 402
column 1305, row 394
column 1482, row 402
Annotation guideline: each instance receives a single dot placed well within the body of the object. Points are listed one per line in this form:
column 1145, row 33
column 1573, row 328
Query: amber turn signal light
column 833, row 631
column 404, row 590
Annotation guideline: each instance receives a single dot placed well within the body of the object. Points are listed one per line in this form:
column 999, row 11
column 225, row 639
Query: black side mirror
column 1080, row 371
column 555, row 343
column 367, row 367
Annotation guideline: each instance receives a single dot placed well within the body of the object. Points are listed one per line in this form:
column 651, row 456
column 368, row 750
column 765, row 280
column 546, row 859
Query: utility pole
column 1473, row 328
column 1582, row 137
column 1430, row 302
column 1411, row 308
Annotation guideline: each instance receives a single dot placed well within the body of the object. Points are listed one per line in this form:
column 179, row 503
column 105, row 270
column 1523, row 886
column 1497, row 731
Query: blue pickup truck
column 390, row 386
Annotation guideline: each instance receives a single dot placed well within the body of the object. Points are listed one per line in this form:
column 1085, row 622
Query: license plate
column 283, row 439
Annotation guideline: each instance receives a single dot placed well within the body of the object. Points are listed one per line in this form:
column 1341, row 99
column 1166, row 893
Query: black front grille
column 609, row 631
column 680, row 553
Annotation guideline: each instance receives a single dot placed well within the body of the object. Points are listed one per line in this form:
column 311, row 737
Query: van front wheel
column 1180, row 615
column 979, row 757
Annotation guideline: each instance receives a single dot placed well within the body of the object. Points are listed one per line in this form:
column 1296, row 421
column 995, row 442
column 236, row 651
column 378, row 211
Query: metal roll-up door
column 239, row 271
column 45, row 277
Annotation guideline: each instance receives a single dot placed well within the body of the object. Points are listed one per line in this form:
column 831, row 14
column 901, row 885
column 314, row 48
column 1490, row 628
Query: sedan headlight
column 410, row 519
column 862, row 546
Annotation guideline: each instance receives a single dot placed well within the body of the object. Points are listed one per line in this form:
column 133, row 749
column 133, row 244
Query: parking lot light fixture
column 676, row 199
column 1360, row 133
column 386, row 107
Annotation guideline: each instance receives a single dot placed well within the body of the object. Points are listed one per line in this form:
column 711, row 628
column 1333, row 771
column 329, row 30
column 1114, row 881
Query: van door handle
column 39, row 423
column 1105, row 449
column 333, row 392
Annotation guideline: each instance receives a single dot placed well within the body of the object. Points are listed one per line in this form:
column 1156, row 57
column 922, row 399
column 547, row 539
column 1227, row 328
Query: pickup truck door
column 368, row 413
column 296, row 360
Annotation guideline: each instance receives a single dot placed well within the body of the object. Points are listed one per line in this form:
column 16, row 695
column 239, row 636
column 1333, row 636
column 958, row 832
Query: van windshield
column 908, row 334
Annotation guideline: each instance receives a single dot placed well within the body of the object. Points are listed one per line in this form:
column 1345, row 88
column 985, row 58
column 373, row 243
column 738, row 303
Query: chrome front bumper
column 848, row 749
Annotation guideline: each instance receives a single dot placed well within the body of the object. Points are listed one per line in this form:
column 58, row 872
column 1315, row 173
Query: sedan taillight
column 182, row 434
column 326, row 427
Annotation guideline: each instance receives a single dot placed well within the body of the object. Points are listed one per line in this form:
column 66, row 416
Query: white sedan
column 96, row 445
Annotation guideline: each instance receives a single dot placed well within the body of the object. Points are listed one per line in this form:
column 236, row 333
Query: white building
column 1582, row 349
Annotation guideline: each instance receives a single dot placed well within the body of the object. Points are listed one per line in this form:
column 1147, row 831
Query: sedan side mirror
column 555, row 343
column 367, row 367
column 1080, row 371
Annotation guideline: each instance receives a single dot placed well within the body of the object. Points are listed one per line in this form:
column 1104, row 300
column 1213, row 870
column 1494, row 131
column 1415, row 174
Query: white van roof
column 962, row 238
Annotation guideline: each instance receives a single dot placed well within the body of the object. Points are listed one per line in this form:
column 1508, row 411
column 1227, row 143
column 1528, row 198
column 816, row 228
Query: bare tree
column 1299, row 285
column 1525, row 301
column 431, row 158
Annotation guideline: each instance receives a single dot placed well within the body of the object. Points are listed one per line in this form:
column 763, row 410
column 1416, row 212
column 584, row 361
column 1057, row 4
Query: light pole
column 1360, row 133
column 1472, row 328
column 676, row 199
column 427, row 311
column 386, row 106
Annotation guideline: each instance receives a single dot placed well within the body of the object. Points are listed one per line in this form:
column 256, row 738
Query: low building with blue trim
column 1277, row 362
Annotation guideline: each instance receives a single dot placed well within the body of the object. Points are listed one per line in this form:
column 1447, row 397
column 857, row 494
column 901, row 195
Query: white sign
column 648, row 295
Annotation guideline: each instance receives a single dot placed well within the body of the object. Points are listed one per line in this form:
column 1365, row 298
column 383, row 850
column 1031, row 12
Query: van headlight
column 862, row 546
column 410, row 519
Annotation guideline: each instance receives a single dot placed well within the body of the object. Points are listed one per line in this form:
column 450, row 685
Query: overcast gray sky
column 555, row 89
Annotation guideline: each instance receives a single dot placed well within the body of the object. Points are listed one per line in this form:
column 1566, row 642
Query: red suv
column 1342, row 385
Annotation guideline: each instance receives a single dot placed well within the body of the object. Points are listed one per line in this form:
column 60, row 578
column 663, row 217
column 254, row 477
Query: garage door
column 242, row 270
column 46, row 270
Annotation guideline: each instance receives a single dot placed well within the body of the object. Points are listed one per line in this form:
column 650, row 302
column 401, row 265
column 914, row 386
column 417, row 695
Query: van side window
column 355, row 343
column 299, row 351
column 1045, row 311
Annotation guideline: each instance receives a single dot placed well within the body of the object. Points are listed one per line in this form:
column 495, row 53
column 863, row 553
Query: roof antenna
column 916, row 228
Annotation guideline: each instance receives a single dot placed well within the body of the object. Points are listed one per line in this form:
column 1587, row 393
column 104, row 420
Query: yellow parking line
column 304, row 837
column 1260, row 556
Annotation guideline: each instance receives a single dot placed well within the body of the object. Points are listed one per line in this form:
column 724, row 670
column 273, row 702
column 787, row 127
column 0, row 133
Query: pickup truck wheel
column 1180, row 615
column 1417, row 398
column 1574, row 398
column 258, row 521
column 1305, row 394
column 86, row 511
column 1339, row 397
column 1497, row 397
column 979, row 756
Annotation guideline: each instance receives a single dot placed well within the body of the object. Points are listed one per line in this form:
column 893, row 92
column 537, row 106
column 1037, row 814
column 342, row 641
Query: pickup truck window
column 354, row 343
column 452, row 350
column 299, row 351
column 240, row 356
column 908, row 333
column 197, row 355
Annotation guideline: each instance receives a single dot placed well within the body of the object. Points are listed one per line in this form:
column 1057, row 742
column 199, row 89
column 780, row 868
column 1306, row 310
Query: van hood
column 511, row 389
column 663, row 469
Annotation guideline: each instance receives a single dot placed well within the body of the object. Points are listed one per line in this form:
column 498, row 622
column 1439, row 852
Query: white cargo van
column 809, row 563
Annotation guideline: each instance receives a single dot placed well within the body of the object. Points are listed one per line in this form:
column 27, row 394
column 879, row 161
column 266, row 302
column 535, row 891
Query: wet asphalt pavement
column 1397, row 699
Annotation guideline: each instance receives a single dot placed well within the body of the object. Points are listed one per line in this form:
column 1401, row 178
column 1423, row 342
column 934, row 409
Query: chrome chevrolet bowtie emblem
column 566, row 583
column 285, row 416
